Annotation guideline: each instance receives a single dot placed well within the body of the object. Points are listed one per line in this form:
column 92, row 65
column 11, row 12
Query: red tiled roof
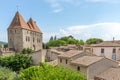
column 33, row 25
column 19, row 22
column 106, row 44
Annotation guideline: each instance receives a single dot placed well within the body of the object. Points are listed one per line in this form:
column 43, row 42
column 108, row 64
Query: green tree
column 56, row 43
column 5, row 45
column 48, row 72
column 16, row 62
column 51, row 38
column 55, row 38
column 93, row 41
column 81, row 42
column 62, row 41
column 72, row 41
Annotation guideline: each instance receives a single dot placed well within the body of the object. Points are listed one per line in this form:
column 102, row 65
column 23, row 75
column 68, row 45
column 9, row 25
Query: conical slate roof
column 19, row 22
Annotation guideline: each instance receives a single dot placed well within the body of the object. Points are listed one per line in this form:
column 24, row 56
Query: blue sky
column 81, row 18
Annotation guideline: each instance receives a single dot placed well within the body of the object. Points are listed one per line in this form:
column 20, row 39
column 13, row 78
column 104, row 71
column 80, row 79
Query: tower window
column 10, row 31
column 26, row 38
column 15, row 31
column 33, row 39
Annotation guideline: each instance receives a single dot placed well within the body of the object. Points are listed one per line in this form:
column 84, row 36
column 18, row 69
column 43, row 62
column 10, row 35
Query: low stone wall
column 53, row 63
column 8, row 53
column 38, row 56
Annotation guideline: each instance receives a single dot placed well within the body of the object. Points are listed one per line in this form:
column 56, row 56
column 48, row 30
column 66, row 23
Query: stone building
column 23, row 34
column 92, row 65
column 108, row 49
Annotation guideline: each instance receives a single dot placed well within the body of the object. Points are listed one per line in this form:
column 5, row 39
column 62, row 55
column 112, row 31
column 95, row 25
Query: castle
column 23, row 34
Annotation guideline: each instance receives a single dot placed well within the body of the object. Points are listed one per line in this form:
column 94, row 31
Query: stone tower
column 23, row 34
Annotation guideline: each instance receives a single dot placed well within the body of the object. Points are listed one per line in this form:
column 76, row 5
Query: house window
column 113, row 56
column 102, row 50
column 114, row 50
column 66, row 61
column 78, row 68
column 60, row 60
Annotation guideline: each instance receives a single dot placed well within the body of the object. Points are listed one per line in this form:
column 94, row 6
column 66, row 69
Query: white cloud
column 108, row 1
column 105, row 31
column 57, row 10
column 57, row 6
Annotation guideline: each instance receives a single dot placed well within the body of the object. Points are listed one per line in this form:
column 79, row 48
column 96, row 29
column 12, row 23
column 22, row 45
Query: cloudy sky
column 81, row 18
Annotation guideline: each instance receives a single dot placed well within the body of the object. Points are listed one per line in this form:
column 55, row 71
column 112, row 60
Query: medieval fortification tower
column 23, row 34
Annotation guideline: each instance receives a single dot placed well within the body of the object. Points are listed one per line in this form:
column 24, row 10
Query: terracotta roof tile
column 110, row 74
column 19, row 22
column 86, row 60
column 33, row 25
column 70, row 53
column 106, row 44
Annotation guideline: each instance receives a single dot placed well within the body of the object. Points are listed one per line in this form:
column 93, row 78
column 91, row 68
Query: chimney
column 113, row 39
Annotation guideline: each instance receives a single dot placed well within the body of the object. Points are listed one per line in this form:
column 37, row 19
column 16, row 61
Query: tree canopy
column 93, row 40
column 63, row 41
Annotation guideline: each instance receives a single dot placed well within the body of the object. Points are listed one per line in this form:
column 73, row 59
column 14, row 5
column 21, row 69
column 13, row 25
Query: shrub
column 48, row 72
column 27, row 51
column 16, row 62
column 7, row 74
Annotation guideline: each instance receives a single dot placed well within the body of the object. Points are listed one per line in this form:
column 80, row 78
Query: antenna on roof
column 113, row 38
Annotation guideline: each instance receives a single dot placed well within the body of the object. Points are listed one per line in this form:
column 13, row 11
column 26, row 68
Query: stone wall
column 100, row 66
column 18, row 39
column 6, row 52
column 15, row 39
column 108, row 52
column 32, row 40
column 38, row 56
